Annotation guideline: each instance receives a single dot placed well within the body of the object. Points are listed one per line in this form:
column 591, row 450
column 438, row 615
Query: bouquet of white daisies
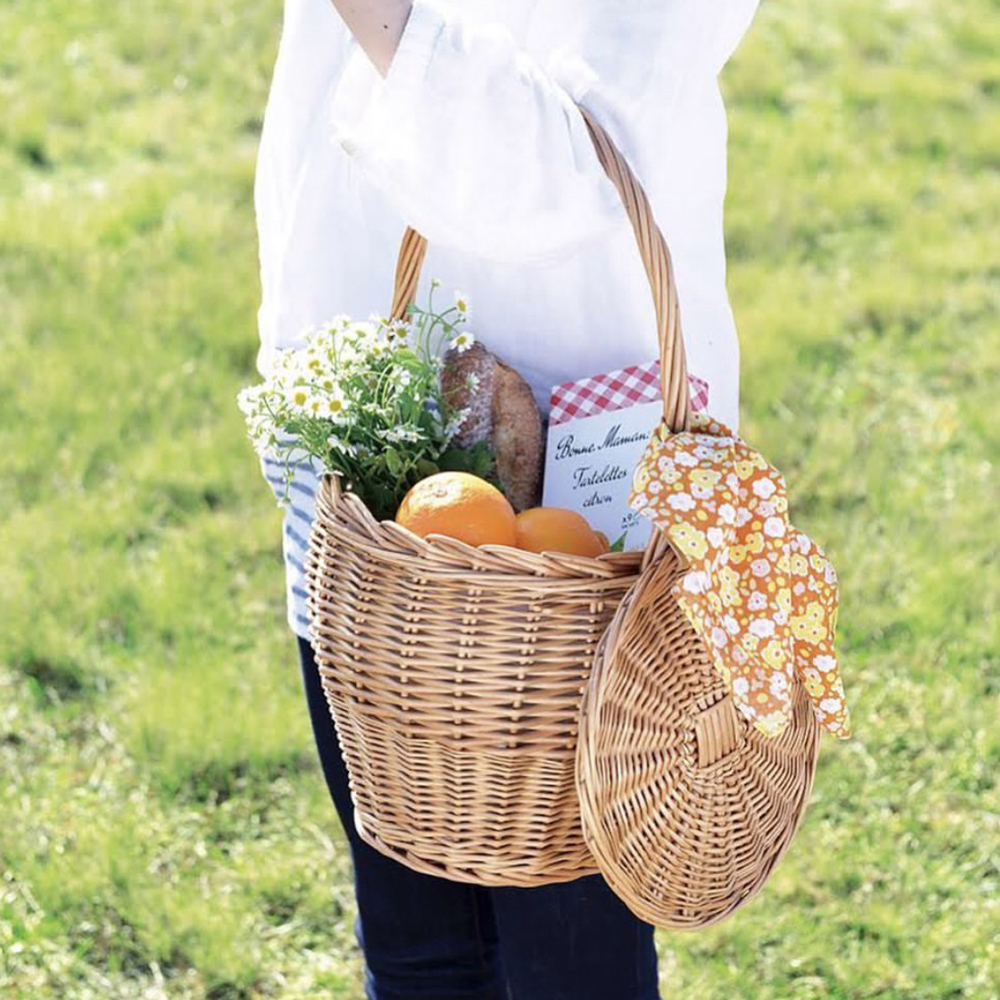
column 364, row 399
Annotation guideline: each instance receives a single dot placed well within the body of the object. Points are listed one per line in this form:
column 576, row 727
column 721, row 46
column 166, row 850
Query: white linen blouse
column 473, row 137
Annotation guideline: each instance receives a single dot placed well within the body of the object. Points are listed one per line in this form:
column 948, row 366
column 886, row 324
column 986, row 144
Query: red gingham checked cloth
column 617, row 391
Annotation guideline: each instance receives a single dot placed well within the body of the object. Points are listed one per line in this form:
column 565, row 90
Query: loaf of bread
column 503, row 412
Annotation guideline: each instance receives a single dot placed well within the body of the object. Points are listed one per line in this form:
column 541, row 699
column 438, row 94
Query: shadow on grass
column 214, row 782
column 106, row 938
column 283, row 904
column 229, row 991
column 55, row 681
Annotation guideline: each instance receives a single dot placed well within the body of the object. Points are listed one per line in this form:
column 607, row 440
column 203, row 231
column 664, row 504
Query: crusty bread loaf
column 467, row 383
column 502, row 411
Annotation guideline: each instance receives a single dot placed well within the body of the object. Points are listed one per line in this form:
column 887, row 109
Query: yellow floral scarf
column 760, row 593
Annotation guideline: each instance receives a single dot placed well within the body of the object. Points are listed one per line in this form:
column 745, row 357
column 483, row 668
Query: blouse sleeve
column 473, row 143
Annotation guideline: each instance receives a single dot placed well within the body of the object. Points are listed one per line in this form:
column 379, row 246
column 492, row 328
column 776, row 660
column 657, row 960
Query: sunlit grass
column 165, row 830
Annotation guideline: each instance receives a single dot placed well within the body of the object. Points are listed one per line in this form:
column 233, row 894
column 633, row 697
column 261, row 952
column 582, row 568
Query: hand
column 377, row 25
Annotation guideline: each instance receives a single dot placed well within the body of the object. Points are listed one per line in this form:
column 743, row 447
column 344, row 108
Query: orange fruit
column 603, row 539
column 554, row 529
column 459, row 505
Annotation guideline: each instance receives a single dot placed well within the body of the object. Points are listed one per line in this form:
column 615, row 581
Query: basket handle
column 655, row 258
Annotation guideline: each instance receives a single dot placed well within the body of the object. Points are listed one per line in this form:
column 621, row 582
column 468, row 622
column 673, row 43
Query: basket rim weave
column 559, row 569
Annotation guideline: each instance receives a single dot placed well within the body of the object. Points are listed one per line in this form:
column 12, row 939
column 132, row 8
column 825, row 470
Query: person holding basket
column 463, row 121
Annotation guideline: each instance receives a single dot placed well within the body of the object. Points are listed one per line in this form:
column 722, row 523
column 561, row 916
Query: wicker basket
column 455, row 674
column 455, row 678
column 686, row 807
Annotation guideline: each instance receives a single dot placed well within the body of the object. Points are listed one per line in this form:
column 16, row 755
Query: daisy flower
column 461, row 342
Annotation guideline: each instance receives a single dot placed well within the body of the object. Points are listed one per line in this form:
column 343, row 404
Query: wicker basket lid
column 686, row 807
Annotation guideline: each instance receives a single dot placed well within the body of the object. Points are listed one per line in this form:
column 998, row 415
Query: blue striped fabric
column 299, row 515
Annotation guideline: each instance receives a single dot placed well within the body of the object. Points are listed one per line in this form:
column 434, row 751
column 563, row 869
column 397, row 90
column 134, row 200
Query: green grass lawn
column 164, row 830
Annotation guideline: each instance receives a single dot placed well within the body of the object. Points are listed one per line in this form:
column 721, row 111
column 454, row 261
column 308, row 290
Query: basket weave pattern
column 455, row 676
column 687, row 807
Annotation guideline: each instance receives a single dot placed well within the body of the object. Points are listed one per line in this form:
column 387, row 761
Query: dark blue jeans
column 427, row 938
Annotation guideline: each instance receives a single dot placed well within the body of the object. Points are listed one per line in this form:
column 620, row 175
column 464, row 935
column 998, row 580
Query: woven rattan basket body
column 454, row 676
